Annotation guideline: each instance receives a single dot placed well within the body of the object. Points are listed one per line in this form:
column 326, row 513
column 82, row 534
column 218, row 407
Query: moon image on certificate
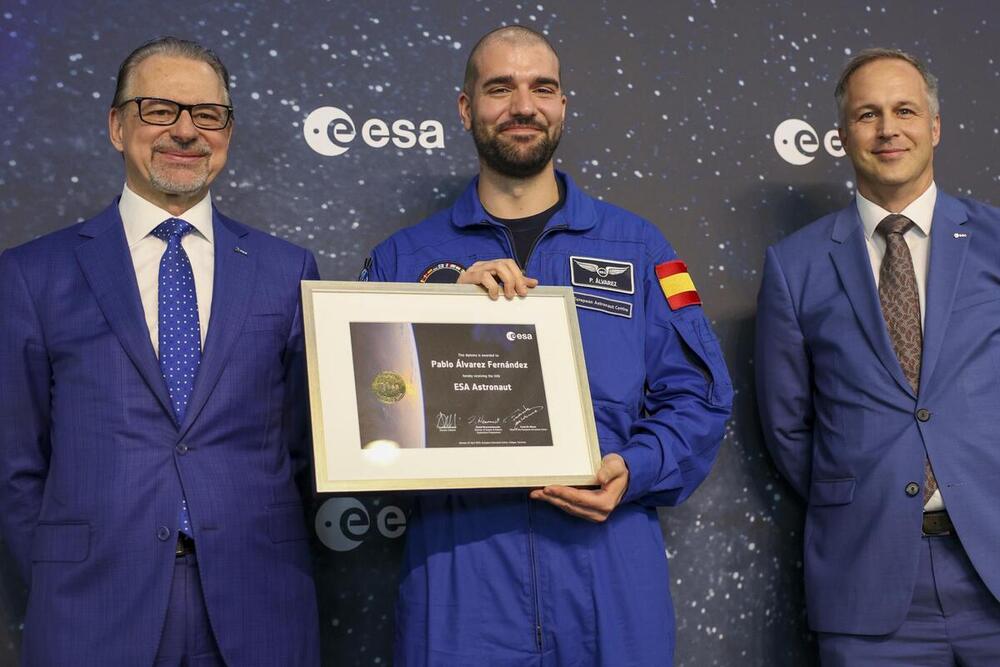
column 449, row 385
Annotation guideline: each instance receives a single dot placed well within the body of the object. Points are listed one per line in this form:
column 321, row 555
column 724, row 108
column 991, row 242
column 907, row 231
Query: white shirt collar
column 920, row 211
column 141, row 217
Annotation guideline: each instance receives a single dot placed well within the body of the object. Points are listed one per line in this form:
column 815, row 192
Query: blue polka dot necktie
column 180, row 333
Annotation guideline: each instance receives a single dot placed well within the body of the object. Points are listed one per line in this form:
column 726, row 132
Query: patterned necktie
column 897, row 290
column 180, row 333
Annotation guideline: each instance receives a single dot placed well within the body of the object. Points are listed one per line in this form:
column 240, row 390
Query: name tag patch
column 603, row 304
column 606, row 274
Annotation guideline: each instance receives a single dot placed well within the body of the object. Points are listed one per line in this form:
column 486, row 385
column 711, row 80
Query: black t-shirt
column 524, row 231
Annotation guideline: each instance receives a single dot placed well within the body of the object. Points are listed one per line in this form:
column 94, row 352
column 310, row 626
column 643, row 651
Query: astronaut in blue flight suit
column 559, row 576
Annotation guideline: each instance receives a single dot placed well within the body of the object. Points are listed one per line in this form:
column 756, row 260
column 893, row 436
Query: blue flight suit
column 493, row 578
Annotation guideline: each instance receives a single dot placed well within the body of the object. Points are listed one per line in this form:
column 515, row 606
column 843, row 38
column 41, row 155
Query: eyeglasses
column 158, row 111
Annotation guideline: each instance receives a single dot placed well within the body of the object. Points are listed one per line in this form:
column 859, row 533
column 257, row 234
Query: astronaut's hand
column 496, row 274
column 591, row 504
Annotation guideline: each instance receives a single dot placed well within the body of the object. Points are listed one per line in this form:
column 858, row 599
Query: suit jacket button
column 163, row 533
column 912, row 489
column 181, row 448
column 923, row 414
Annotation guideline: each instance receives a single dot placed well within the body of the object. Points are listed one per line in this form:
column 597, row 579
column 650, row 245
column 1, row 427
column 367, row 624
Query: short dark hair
column 870, row 55
column 167, row 46
column 510, row 33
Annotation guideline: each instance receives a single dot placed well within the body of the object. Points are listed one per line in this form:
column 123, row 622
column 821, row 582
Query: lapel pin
column 244, row 252
column 961, row 235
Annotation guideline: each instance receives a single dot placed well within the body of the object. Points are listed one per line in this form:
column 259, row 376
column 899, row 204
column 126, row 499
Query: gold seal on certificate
column 389, row 386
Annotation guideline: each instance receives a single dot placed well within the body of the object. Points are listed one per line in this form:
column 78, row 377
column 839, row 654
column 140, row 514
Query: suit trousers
column 953, row 620
column 187, row 639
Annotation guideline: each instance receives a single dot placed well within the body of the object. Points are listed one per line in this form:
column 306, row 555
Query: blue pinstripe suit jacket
column 92, row 462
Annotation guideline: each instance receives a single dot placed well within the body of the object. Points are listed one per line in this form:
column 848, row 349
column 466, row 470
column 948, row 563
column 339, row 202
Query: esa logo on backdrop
column 798, row 143
column 342, row 524
column 331, row 131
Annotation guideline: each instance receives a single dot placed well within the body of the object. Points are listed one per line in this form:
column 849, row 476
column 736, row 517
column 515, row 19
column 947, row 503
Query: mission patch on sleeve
column 442, row 272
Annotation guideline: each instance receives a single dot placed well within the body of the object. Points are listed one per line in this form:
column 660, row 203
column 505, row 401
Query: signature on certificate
column 522, row 414
column 447, row 422
column 480, row 420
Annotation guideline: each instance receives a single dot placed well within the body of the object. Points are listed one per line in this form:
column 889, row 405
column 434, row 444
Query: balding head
column 516, row 35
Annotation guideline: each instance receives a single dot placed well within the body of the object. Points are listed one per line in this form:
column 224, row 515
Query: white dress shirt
column 918, row 239
column 141, row 218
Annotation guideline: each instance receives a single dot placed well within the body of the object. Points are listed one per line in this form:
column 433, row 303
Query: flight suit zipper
column 509, row 239
column 534, row 581
column 535, row 595
column 531, row 251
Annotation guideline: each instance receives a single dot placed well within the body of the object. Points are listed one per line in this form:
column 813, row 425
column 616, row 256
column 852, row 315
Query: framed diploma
column 437, row 387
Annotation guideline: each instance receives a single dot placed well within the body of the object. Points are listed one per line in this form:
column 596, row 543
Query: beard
column 176, row 179
column 511, row 156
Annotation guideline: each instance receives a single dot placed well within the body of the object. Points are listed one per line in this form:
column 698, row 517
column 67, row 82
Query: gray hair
column 869, row 55
column 167, row 46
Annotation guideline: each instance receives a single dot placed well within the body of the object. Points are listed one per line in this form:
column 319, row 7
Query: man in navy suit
column 878, row 378
column 153, row 418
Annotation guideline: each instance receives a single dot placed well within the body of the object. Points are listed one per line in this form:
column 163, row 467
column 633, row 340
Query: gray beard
column 164, row 183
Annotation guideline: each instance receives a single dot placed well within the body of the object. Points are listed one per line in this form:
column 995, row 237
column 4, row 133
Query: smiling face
column 170, row 166
column 515, row 108
column 890, row 132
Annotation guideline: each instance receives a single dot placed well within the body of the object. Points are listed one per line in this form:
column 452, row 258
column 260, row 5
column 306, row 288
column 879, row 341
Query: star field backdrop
column 674, row 112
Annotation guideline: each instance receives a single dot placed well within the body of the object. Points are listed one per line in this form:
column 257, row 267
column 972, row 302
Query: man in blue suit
column 878, row 358
column 153, row 418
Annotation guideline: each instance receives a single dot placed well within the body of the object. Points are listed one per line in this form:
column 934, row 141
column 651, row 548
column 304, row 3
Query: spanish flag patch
column 677, row 286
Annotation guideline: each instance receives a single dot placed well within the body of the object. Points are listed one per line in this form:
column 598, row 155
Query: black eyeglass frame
column 181, row 108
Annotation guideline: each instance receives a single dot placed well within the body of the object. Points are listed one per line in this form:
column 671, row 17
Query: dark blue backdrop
column 673, row 112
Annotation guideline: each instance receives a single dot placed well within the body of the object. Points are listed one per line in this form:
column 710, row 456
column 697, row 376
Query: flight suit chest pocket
column 64, row 542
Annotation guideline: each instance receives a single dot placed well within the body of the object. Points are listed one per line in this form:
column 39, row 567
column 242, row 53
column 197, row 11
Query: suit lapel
column 107, row 266
column 949, row 243
column 235, row 265
column 850, row 257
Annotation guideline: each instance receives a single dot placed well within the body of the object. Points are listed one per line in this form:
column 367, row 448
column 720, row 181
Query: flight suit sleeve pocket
column 286, row 522
column 831, row 491
column 702, row 350
column 63, row 542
